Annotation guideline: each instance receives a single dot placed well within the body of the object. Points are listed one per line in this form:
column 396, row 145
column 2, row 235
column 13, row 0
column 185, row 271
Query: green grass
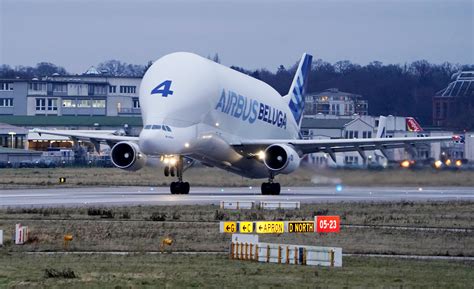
column 195, row 228
column 200, row 176
column 180, row 271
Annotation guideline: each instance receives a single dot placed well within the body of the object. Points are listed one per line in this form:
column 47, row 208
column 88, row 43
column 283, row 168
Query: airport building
column 334, row 102
column 89, row 94
column 454, row 100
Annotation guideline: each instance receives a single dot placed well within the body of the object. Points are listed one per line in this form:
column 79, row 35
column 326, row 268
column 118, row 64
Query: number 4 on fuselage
column 163, row 88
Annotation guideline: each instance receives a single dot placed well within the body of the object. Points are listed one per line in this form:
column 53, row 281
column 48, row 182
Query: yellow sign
column 270, row 227
column 230, row 227
column 301, row 227
column 246, row 227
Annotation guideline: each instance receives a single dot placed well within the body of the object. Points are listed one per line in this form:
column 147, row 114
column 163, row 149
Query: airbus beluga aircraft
column 194, row 108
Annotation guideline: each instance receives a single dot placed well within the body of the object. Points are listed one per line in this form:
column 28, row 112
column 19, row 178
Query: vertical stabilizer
column 295, row 96
column 381, row 129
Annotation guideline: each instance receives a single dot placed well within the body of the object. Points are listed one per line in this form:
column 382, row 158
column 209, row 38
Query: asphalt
column 118, row 196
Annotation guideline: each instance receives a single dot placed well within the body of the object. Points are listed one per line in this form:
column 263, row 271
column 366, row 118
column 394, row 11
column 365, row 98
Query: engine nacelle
column 281, row 158
column 127, row 156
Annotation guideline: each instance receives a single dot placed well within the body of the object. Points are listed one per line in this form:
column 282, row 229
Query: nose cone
column 155, row 142
column 164, row 142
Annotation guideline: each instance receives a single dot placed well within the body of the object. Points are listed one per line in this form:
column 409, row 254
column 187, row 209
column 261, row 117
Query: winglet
column 298, row 86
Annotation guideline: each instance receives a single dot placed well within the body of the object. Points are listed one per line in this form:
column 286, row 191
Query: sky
column 251, row 34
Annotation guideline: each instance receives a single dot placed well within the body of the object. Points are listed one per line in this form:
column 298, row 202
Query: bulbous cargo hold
column 127, row 156
column 281, row 158
column 183, row 89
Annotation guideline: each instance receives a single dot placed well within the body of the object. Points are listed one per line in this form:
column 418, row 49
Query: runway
column 118, row 196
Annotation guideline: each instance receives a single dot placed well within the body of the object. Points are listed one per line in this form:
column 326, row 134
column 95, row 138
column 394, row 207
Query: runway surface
column 203, row 195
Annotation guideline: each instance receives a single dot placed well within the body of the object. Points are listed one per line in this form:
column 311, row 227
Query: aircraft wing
column 94, row 136
column 332, row 146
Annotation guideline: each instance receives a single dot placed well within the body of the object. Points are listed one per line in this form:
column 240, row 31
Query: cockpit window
column 147, row 126
column 168, row 128
column 156, row 127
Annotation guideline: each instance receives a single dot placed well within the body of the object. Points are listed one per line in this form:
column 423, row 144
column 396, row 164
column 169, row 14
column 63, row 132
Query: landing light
column 261, row 155
column 438, row 164
column 405, row 164
column 186, row 145
column 217, row 124
column 448, row 162
column 458, row 163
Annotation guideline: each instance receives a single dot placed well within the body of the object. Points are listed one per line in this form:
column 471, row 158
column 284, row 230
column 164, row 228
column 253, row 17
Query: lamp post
column 12, row 133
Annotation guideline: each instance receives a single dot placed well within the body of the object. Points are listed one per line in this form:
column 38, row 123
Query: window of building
column 6, row 102
column 6, row 86
column 37, row 86
column 369, row 134
column 364, row 134
column 112, row 89
column 351, row 134
column 136, row 103
column 83, row 103
column 59, row 87
column 127, row 89
column 98, row 103
column 41, row 104
column 356, row 134
column 52, row 104
column 69, row 103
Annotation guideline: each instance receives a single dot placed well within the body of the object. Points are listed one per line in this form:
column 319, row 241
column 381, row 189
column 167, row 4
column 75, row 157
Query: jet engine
column 281, row 158
column 127, row 156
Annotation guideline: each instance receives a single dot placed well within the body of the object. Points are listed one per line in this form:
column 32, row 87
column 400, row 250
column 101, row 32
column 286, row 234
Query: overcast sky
column 252, row 34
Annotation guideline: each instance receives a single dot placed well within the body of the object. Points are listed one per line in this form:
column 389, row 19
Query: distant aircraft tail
column 413, row 125
column 295, row 96
column 382, row 128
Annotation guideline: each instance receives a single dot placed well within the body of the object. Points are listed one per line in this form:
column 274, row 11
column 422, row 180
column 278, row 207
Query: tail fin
column 295, row 96
column 381, row 129
column 413, row 125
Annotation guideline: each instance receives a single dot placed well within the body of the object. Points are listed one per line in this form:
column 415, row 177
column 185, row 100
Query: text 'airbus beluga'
column 194, row 108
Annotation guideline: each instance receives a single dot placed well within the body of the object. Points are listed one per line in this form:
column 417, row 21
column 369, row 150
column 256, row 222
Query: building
column 12, row 136
column 334, row 102
column 457, row 99
column 348, row 127
column 90, row 94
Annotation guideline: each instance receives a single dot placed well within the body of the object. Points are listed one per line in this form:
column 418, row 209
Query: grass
column 195, row 228
column 183, row 271
column 199, row 176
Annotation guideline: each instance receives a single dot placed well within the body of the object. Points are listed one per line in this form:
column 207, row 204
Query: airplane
column 196, row 109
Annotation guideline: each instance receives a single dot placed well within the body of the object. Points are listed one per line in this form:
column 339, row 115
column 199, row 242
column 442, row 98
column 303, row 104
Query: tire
column 173, row 188
column 275, row 188
column 265, row 188
column 185, row 188
column 167, row 171
column 172, row 171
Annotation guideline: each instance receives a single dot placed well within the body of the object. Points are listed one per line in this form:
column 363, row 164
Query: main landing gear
column 271, row 188
column 176, row 169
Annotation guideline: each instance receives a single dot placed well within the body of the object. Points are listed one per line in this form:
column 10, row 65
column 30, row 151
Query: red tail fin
column 413, row 125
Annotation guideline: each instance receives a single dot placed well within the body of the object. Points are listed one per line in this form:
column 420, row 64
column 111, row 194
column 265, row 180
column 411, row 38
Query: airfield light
column 338, row 187
column 261, row 155
column 448, row 162
column 405, row 164
column 438, row 164
column 458, row 163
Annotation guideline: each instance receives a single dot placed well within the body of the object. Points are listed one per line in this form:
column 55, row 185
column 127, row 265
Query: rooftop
column 311, row 123
column 40, row 121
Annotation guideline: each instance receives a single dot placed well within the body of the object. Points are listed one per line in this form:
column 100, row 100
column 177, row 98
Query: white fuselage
column 207, row 107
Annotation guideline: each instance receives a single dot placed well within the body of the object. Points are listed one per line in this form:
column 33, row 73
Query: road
column 206, row 195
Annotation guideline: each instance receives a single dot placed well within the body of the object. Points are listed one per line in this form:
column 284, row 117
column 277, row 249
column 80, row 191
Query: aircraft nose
column 154, row 142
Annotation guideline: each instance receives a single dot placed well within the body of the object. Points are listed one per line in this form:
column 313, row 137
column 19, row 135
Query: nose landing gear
column 271, row 188
column 178, row 187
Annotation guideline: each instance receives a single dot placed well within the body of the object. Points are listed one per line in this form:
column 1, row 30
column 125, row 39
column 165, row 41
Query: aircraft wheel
column 271, row 188
column 167, row 171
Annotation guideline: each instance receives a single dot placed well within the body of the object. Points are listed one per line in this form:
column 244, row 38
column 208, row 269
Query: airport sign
column 301, row 227
column 245, row 227
column 230, row 227
column 328, row 224
column 270, row 227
